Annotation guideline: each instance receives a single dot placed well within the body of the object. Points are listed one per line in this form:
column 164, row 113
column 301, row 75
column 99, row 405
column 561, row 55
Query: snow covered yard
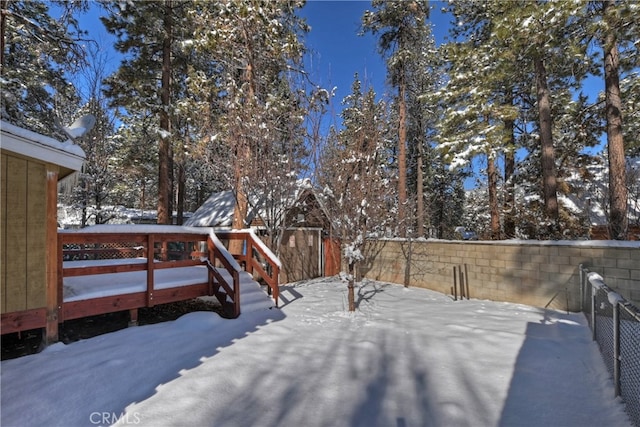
column 407, row 357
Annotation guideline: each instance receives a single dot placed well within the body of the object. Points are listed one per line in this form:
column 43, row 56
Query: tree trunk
column 440, row 205
column 402, row 159
column 618, row 221
column 407, row 266
column 419, row 192
column 241, row 204
column 243, row 160
column 3, row 30
column 509, row 186
column 165, row 125
column 181, row 191
column 549, row 184
column 172, row 183
column 494, row 212
column 350, row 288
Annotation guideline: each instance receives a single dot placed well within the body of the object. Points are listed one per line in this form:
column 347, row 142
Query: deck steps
column 252, row 296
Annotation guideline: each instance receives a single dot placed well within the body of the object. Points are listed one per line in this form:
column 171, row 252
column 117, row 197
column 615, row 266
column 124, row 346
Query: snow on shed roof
column 31, row 144
column 216, row 211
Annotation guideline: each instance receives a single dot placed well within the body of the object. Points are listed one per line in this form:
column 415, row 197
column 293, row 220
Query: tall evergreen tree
column 618, row 22
column 255, row 44
column 35, row 53
column 424, row 76
column 143, row 83
column 399, row 25
column 99, row 174
column 511, row 44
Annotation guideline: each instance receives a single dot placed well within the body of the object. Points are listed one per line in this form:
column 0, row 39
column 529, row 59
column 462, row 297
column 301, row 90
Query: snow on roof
column 586, row 195
column 216, row 211
column 31, row 144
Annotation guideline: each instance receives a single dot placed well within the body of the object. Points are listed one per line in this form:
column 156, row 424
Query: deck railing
column 256, row 258
column 121, row 251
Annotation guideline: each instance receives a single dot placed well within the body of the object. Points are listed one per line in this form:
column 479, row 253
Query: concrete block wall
column 537, row 273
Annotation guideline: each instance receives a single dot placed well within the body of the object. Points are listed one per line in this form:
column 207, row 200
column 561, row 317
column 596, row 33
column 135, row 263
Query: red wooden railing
column 256, row 258
column 150, row 251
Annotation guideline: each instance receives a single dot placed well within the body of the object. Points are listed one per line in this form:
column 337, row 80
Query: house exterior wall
column 528, row 272
column 23, row 217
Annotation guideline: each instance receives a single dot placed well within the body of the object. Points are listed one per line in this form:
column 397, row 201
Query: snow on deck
column 79, row 288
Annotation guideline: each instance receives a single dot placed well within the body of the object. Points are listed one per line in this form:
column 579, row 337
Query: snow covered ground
column 408, row 357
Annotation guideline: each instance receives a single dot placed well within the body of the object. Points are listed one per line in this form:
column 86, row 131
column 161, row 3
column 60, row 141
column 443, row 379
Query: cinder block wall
column 537, row 273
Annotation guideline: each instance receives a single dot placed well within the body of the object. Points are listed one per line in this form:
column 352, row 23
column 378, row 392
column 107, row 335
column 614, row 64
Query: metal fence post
column 593, row 314
column 582, row 287
column 616, row 347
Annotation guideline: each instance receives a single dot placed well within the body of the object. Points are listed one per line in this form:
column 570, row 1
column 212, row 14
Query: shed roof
column 67, row 155
column 216, row 211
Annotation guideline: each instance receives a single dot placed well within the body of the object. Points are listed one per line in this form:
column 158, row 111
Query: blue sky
column 338, row 52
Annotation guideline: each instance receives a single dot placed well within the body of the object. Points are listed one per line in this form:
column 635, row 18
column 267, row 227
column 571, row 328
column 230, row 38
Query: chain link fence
column 615, row 326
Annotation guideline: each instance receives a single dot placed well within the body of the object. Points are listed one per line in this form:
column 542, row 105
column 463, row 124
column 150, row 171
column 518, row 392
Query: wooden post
column 249, row 255
column 466, row 281
column 236, row 293
column 150, row 259
column 455, row 284
column 276, row 278
column 133, row 317
column 53, row 258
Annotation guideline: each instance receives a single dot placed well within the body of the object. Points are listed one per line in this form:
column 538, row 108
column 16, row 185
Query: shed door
column 331, row 256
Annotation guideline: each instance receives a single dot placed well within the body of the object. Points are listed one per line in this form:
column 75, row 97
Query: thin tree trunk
column 509, row 171
column 440, row 205
column 494, row 212
column 181, row 191
column 4, row 8
column 172, row 183
column 549, row 184
column 420, row 191
column 243, row 160
column 615, row 143
column 407, row 266
column 165, row 125
column 350, row 288
column 402, row 159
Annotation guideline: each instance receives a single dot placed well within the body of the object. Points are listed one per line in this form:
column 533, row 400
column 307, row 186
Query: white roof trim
column 41, row 147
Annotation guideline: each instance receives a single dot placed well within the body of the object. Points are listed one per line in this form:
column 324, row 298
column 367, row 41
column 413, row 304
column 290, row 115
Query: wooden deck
column 117, row 268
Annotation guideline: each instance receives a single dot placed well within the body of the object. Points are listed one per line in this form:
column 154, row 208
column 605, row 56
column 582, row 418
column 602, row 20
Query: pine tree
column 142, row 83
column 399, row 25
column 255, row 45
column 509, row 45
column 477, row 112
column 35, row 53
column 99, row 175
column 618, row 22
column 424, row 76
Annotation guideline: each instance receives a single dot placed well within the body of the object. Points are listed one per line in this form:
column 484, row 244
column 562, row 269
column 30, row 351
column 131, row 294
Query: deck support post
column 133, row 317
